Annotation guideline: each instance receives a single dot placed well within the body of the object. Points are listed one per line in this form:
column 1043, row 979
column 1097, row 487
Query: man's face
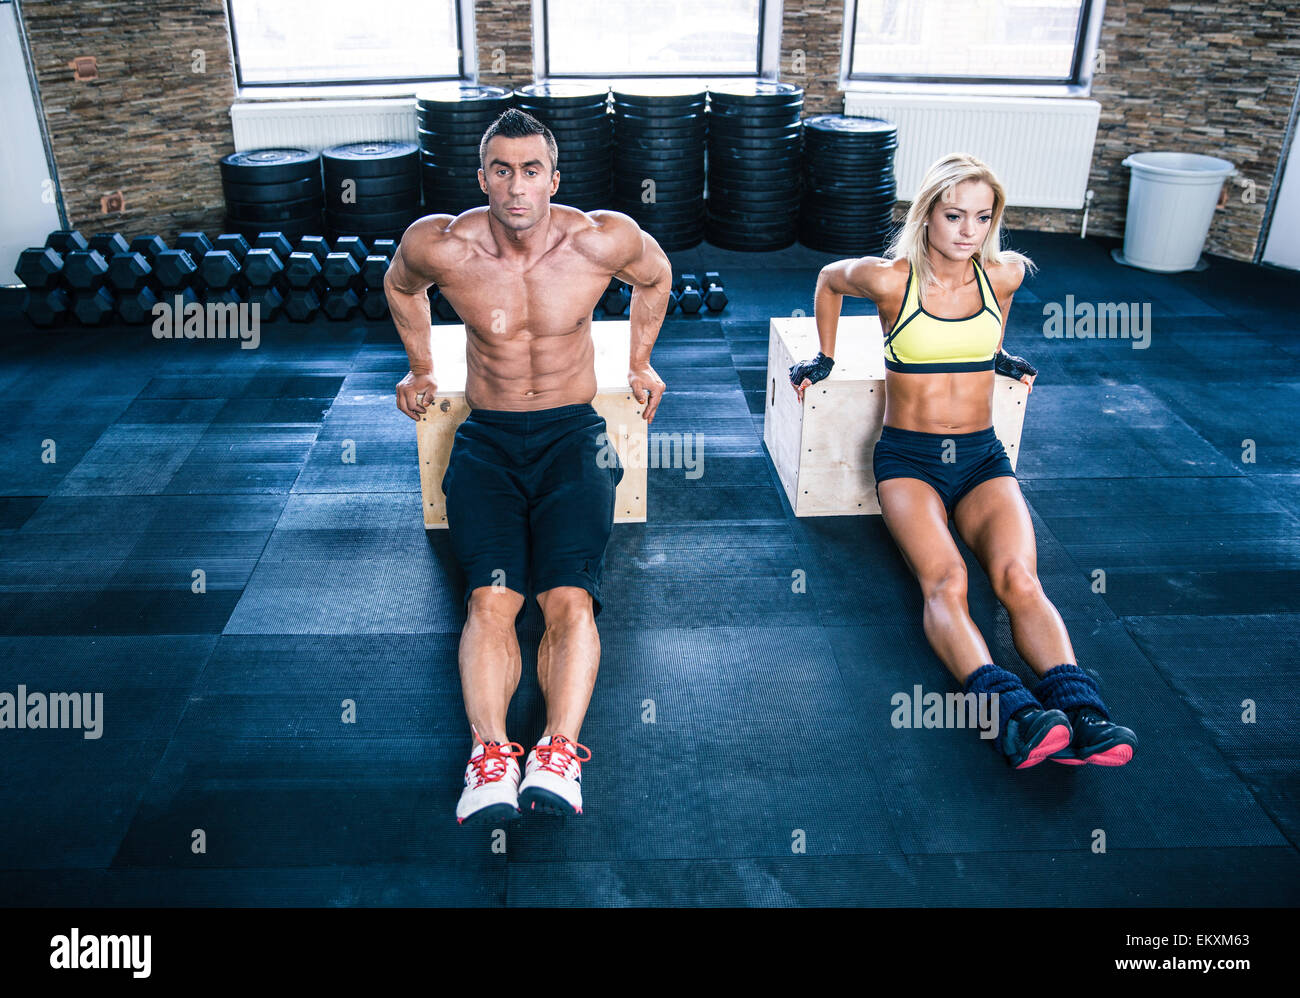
column 518, row 180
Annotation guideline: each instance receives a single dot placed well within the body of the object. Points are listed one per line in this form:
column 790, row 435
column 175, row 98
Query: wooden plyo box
column 614, row 401
column 822, row 448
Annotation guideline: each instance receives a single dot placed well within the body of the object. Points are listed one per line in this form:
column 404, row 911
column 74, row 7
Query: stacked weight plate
column 849, row 189
column 577, row 114
column 372, row 189
column 452, row 120
column 276, row 189
column 754, row 161
column 659, row 143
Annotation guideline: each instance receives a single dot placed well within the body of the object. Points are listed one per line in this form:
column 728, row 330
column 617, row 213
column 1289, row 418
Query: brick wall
column 148, row 126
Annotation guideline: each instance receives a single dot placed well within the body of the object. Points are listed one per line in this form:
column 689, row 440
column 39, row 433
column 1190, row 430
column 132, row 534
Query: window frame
column 1077, row 84
column 465, row 64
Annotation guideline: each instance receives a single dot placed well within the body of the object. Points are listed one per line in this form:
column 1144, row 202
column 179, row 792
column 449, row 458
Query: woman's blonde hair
column 939, row 183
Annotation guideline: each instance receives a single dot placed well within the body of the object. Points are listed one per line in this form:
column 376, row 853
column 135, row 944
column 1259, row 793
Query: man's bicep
column 647, row 264
column 414, row 266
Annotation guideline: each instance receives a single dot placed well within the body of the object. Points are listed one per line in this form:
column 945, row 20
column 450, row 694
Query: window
column 651, row 38
column 319, row 42
column 960, row 41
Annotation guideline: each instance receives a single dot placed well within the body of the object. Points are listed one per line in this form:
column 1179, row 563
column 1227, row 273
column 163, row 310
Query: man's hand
column 415, row 393
column 1015, row 367
column 646, row 389
column 807, row 373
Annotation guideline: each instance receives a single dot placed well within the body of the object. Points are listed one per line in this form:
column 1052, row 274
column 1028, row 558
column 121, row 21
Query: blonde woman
column 943, row 290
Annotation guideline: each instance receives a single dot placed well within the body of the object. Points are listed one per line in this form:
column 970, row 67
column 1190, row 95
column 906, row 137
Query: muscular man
column 530, row 483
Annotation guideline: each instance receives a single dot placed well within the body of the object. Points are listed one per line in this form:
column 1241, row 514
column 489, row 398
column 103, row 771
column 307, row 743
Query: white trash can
column 1171, row 201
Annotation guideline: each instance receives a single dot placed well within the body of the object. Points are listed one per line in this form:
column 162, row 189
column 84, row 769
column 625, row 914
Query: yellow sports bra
column 921, row 343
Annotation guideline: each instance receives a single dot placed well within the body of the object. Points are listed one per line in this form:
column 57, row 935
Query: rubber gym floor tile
column 186, row 410
column 698, row 503
column 1282, row 489
column 75, row 795
column 1130, row 433
column 1223, row 667
column 361, row 464
column 951, row 791
column 270, row 385
column 132, row 459
column 1227, row 414
column 403, row 593
column 423, row 666
column 713, row 575
column 272, row 412
column 642, row 798
column 274, row 798
column 1162, row 547
column 1131, row 878
column 15, row 511
column 458, row 883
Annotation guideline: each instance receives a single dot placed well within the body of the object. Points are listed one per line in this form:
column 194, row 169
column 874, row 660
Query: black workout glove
column 814, row 370
column 1011, row 366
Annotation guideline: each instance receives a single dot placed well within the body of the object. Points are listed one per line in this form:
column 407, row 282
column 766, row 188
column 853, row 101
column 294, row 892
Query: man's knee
column 566, row 606
column 495, row 606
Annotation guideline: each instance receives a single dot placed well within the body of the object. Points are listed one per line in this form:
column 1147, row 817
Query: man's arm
column 406, row 285
column 635, row 258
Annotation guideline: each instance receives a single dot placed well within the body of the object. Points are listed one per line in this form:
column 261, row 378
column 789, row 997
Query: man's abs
column 524, row 372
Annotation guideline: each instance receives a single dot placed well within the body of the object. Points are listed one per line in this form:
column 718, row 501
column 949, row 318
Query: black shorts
column 530, row 498
column 971, row 458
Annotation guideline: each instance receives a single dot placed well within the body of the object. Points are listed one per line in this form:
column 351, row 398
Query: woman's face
column 957, row 228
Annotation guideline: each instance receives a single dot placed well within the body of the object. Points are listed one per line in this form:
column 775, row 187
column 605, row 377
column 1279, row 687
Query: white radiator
column 318, row 124
column 1040, row 147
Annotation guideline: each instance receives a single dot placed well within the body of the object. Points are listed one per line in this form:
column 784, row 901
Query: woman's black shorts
column 954, row 463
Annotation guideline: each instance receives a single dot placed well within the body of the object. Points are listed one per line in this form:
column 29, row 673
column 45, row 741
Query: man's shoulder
column 602, row 233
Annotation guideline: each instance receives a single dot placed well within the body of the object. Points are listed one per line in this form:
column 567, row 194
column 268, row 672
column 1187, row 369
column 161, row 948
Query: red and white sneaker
column 491, row 783
column 553, row 777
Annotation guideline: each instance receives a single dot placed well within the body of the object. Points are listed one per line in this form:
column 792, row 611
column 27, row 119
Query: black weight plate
column 662, row 93
column 375, row 202
column 834, row 157
column 371, row 219
column 632, row 122
column 293, row 229
column 755, row 91
column 751, row 192
column 851, row 127
column 759, row 200
column 465, row 123
column 461, row 95
column 432, row 146
column 663, row 210
column 666, row 147
column 269, row 166
column 849, row 202
column 719, row 130
column 561, row 93
column 283, row 212
column 658, row 114
column 768, row 233
column 290, row 190
column 760, row 113
column 369, row 159
column 468, row 138
column 784, row 147
column 382, row 186
column 561, row 116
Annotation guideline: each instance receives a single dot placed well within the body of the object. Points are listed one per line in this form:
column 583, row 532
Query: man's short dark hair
column 515, row 124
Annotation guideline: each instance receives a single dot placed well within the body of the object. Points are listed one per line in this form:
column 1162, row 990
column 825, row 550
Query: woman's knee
column 945, row 584
column 1015, row 582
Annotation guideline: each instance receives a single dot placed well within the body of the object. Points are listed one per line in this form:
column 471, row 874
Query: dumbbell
column 136, row 307
column 342, row 276
column 39, row 267
column 616, row 298
column 175, row 269
column 148, row 246
column 715, row 295
column 689, row 298
column 267, row 300
column 93, row 307
column 85, row 270
column 66, row 240
column 383, row 247
column 46, row 307
column 109, row 243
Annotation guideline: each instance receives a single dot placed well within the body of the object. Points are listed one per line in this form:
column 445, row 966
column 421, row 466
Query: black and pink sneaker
column 491, row 783
column 553, row 777
column 1096, row 741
